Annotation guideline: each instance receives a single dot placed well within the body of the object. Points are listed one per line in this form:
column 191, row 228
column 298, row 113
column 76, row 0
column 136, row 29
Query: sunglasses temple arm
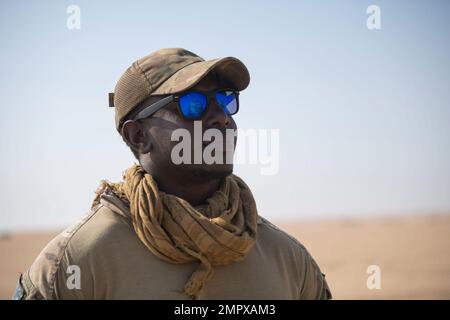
column 148, row 111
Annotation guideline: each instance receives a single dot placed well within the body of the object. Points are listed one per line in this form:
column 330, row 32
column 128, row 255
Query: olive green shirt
column 101, row 257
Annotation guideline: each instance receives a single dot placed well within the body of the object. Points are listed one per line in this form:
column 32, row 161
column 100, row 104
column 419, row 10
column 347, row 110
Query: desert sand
column 412, row 252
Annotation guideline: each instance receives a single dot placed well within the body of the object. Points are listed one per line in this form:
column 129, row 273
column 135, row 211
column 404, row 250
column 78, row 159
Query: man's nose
column 215, row 116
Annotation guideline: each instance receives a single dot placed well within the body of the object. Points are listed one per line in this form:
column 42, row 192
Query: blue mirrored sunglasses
column 194, row 104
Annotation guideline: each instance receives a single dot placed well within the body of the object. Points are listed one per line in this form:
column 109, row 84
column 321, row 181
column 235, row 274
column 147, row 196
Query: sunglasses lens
column 193, row 105
column 227, row 100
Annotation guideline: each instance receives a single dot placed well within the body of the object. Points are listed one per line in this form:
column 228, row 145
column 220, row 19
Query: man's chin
column 212, row 171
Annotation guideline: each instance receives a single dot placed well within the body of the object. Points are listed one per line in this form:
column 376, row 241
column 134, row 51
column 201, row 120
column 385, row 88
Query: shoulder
column 305, row 269
column 75, row 246
column 279, row 238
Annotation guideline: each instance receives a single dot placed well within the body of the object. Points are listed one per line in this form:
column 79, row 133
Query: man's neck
column 193, row 191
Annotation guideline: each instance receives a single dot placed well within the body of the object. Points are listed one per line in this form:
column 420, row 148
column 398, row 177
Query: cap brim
column 229, row 69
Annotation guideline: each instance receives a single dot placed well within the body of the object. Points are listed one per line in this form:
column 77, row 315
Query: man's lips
column 213, row 139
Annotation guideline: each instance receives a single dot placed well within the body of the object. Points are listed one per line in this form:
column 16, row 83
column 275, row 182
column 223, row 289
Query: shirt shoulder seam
column 71, row 231
column 284, row 233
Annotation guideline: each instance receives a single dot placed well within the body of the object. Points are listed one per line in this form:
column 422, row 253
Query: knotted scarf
column 219, row 232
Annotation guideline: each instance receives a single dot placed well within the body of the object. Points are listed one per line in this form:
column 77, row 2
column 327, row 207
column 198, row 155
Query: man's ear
column 134, row 134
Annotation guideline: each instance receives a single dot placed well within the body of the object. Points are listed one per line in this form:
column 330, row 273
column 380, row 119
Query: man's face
column 157, row 130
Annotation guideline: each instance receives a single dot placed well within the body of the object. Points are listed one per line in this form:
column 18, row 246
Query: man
column 171, row 229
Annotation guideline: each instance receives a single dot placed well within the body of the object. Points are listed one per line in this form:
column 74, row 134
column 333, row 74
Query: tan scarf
column 218, row 232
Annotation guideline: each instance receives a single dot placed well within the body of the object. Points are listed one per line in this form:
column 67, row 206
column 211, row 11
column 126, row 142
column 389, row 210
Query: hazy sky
column 364, row 115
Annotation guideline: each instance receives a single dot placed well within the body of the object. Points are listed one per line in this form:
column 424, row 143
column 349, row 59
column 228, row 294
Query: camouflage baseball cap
column 169, row 71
